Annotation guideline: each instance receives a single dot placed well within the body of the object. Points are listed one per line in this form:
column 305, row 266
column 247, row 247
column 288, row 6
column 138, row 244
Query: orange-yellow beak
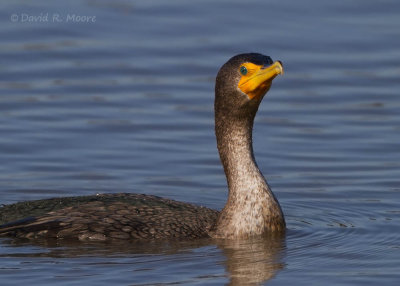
column 258, row 79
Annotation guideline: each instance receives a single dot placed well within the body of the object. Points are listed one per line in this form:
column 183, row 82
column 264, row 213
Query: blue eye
column 243, row 70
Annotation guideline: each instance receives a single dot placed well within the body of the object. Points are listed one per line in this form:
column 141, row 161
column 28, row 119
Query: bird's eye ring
column 243, row 70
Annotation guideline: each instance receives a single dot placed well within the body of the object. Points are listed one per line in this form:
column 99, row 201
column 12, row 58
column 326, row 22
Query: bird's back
column 106, row 217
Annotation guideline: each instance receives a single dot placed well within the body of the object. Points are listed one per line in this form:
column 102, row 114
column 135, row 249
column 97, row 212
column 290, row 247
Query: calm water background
column 125, row 104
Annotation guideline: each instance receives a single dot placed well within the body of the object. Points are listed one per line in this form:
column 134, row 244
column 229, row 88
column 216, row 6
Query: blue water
column 123, row 102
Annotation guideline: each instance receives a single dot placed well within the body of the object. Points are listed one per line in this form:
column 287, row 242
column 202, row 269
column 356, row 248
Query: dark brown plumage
column 106, row 217
column 251, row 209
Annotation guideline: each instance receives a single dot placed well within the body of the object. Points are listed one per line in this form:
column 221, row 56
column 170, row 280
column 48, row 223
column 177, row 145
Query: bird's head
column 242, row 83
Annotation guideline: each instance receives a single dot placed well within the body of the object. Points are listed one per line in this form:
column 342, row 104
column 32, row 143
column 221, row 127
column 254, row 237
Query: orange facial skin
column 258, row 79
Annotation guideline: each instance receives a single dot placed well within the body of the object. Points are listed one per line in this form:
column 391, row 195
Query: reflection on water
column 246, row 262
column 251, row 262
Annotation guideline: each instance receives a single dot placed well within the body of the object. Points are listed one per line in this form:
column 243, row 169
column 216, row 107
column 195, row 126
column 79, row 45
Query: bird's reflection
column 247, row 262
column 253, row 261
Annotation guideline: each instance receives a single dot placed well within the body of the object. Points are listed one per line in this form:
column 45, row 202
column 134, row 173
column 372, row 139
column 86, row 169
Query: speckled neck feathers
column 251, row 208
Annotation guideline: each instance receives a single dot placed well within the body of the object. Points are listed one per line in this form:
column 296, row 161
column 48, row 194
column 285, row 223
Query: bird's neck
column 251, row 208
column 234, row 142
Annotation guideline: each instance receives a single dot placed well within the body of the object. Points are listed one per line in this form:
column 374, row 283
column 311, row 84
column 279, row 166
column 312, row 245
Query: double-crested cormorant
column 251, row 208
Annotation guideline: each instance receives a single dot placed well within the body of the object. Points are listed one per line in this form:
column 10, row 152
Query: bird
column 251, row 208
